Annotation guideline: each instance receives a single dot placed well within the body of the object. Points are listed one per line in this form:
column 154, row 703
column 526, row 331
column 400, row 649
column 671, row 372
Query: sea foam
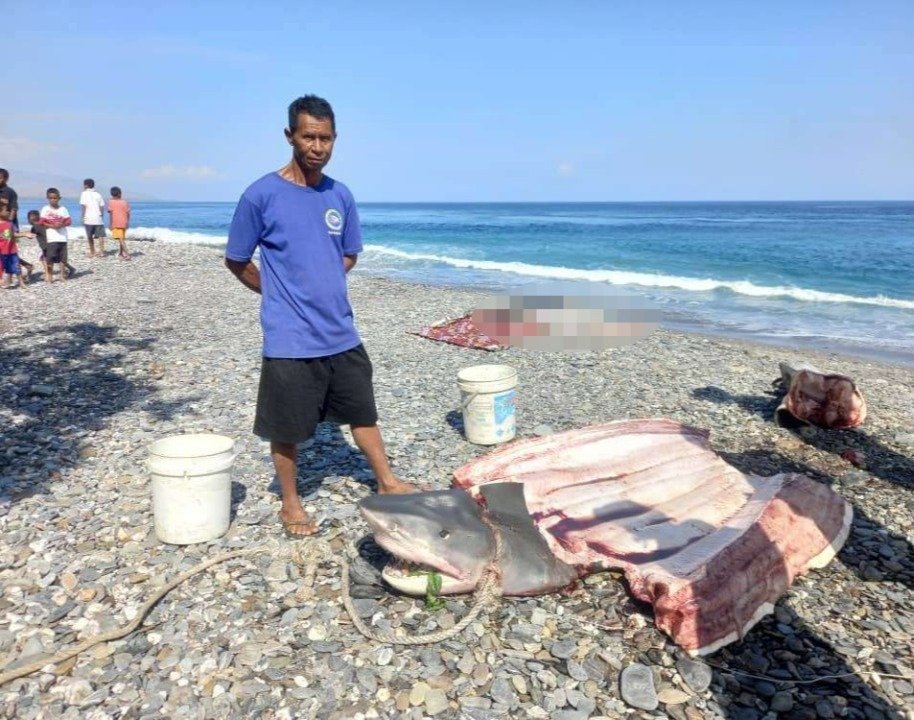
column 622, row 277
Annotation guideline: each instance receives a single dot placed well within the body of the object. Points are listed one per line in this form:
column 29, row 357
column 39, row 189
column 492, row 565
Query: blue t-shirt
column 303, row 234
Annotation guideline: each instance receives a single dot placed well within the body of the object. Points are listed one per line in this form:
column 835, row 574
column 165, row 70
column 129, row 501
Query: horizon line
column 546, row 202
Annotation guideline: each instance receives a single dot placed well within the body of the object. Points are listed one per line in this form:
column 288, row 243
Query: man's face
column 53, row 199
column 3, row 179
column 312, row 142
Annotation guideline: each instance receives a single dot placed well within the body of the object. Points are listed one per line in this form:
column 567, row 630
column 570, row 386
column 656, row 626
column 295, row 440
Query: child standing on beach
column 9, row 251
column 56, row 219
column 119, row 217
column 39, row 233
column 92, row 205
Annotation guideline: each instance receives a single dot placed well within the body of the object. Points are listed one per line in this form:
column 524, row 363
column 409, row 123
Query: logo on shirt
column 334, row 221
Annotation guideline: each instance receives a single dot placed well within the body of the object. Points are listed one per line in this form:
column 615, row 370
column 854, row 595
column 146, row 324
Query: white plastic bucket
column 191, row 487
column 487, row 398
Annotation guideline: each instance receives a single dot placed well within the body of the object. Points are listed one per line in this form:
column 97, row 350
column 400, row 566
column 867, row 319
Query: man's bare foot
column 396, row 487
column 297, row 524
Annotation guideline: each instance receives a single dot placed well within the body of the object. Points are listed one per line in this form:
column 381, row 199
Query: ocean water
column 834, row 275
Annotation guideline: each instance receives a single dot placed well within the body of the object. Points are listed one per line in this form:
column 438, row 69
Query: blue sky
column 473, row 101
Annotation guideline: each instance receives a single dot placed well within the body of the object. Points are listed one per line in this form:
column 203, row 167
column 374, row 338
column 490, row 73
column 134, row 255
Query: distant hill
column 33, row 185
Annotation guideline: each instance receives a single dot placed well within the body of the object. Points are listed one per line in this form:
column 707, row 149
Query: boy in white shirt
column 93, row 208
column 56, row 218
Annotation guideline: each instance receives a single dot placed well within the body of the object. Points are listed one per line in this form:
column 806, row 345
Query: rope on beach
column 118, row 633
column 308, row 553
column 487, row 592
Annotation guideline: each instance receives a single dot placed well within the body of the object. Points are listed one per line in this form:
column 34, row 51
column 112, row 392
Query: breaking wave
column 623, row 277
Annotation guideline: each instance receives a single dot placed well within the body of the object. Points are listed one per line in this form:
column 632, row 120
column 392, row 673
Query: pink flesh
column 829, row 401
column 710, row 547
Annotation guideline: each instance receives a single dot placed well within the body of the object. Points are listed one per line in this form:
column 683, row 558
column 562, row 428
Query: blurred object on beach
column 566, row 317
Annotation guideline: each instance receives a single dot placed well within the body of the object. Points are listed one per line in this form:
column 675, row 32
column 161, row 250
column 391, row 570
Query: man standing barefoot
column 314, row 365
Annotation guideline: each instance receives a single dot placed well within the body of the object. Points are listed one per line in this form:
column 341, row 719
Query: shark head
column 440, row 530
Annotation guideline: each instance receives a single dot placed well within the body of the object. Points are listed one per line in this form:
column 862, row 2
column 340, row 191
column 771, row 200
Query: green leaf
column 432, row 588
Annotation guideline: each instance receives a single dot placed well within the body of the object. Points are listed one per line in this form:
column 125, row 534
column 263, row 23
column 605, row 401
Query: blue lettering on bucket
column 504, row 404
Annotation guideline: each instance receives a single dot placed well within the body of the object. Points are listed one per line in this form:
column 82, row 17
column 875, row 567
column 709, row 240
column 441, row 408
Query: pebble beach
column 123, row 354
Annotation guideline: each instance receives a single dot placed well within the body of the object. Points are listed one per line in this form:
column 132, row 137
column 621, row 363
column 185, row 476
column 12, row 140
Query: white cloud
column 566, row 169
column 182, row 172
column 16, row 150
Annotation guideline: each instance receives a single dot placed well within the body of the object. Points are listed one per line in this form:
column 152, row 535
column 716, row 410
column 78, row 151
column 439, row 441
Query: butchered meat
column 711, row 548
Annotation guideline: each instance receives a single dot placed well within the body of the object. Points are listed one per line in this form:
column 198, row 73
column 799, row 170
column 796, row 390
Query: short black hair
column 312, row 105
column 5, row 173
column 115, row 192
column 52, row 190
column 89, row 183
column 33, row 213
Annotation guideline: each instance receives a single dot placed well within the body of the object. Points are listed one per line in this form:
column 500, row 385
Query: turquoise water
column 831, row 274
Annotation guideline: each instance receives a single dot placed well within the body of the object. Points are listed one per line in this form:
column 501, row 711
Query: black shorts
column 297, row 393
column 56, row 253
column 94, row 231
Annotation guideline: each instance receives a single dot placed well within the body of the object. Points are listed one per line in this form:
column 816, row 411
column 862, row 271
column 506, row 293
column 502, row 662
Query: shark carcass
column 709, row 547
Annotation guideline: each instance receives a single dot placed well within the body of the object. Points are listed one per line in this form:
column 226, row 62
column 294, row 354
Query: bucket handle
column 466, row 403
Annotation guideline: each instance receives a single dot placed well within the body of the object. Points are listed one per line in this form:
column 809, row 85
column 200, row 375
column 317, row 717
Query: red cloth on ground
column 460, row 332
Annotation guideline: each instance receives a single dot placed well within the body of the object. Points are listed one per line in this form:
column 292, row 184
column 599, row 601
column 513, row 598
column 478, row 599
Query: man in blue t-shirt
column 314, row 365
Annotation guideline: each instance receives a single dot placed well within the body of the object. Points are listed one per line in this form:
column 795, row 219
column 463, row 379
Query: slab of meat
column 827, row 400
column 709, row 547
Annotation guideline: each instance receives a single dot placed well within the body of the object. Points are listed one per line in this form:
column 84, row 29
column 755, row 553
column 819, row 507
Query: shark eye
column 444, row 534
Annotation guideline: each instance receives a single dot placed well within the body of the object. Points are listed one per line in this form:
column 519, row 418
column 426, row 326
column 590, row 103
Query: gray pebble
column 697, row 675
column 636, row 685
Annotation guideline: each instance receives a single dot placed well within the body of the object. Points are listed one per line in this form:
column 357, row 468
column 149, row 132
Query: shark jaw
column 408, row 571
column 440, row 531
column 412, row 579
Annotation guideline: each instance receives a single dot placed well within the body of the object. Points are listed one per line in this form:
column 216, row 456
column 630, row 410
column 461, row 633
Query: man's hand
column 247, row 272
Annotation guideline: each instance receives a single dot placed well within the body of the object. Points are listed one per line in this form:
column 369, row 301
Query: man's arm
column 247, row 272
column 349, row 262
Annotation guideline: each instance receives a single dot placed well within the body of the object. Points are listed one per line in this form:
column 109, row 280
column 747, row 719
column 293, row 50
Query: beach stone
column 385, row 655
column 576, row 670
column 781, row 701
column 697, row 675
column 41, row 390
column 435, row 702
column 570, row 715
column 418, row 693
column 502, row 692
column 563, row 648
column 903, row 687
column 672, row 696
column 636, row 685
column 73, row 691
column 474, row 702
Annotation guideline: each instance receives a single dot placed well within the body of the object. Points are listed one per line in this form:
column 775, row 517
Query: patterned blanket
column 459, row 332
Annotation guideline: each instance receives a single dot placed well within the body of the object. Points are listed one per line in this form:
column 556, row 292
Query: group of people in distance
column 50, row 228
